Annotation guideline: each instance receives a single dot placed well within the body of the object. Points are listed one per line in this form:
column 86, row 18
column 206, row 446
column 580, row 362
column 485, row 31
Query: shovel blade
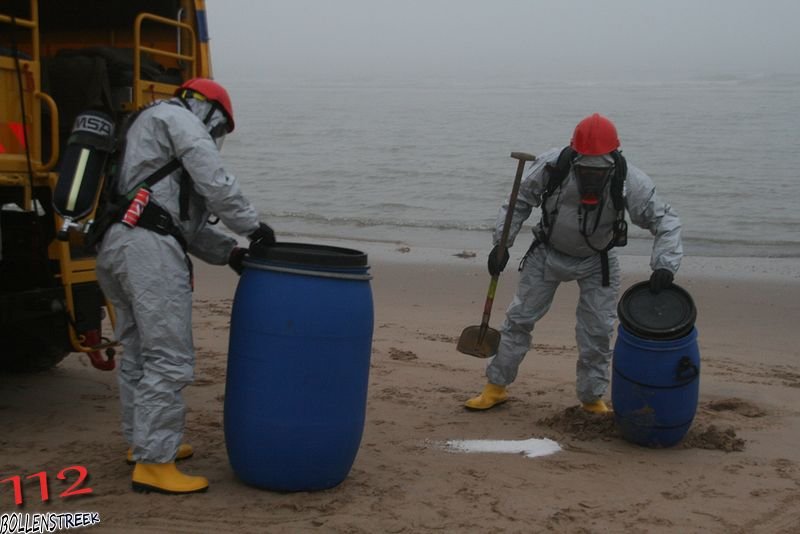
column 479, row 342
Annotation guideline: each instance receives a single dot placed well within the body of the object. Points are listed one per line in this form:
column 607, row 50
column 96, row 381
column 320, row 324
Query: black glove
column 496, row 267
column 236, row 258
column 660, row 279
column 261, row 239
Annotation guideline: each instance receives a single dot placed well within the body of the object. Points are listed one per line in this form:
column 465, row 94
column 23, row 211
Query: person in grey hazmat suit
column 584, row 191
column 144, row 269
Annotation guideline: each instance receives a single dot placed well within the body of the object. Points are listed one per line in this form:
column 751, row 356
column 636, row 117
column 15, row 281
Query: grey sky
column 567, row 39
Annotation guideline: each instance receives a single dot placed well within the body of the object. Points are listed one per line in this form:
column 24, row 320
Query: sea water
column 426, row 162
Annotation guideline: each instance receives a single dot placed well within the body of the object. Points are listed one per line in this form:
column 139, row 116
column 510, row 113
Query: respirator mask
column 218, row 128
column 592, row 174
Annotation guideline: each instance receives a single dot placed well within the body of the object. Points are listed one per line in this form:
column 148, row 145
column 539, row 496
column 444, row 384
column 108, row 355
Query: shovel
column 482, row 341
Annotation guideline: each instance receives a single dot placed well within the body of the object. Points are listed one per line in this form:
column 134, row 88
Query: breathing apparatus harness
column 556, row 174
column 151, row 216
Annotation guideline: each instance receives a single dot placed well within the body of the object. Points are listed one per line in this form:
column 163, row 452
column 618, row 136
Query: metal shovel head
column 481, row 342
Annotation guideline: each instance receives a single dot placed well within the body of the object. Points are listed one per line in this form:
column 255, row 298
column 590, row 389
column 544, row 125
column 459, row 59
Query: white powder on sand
column 531, row 448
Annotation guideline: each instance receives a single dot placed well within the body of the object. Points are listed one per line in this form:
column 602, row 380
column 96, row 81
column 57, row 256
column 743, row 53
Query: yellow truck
column 62, row 64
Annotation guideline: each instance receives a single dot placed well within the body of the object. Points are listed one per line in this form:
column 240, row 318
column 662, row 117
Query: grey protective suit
column 567, row 257
column 146, row 275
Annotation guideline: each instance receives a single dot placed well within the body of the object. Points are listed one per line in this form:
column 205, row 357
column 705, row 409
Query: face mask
column 219, row 129
column 591, row 183
column 219, row 141
column 217, row 124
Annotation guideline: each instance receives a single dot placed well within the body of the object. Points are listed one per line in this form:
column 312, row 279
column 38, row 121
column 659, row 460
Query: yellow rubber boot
column 184, row 451
column 597, row 406
column 165, row 478
column 491, row 396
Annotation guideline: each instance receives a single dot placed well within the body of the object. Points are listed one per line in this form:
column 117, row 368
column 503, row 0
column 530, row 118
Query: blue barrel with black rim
column 656, row 366
column 298, row 366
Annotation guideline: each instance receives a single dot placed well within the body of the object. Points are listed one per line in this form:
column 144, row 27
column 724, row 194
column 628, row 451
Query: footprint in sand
column 738, row 406
column 401, row 355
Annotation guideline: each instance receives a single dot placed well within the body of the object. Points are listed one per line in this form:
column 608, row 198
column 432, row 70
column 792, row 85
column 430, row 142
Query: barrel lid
column 313, row 255
column 669, row 314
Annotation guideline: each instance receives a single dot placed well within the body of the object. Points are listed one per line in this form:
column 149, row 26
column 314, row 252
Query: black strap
column 604, row 267
column 533, row 246
column 154, row 178
column 556, row 173
column 185, row 194
column 618, row 180
column 157, row 219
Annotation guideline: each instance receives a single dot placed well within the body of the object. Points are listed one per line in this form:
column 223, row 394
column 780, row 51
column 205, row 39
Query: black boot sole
column 495, row 405
column 145, row 488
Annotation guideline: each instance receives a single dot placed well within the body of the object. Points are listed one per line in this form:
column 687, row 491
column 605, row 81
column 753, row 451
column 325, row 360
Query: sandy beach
column 737, row 471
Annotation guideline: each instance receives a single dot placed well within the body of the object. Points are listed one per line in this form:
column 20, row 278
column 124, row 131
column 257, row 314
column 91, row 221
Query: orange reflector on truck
column 19, row 133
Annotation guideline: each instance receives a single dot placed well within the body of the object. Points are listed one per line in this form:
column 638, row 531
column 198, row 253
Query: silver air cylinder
column 82, row 168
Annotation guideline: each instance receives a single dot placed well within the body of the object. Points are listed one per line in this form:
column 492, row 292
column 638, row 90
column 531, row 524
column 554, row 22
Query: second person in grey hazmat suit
column 573, row 241
column 146, row 273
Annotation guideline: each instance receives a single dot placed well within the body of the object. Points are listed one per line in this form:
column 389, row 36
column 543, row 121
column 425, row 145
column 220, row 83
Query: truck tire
column 28, row 354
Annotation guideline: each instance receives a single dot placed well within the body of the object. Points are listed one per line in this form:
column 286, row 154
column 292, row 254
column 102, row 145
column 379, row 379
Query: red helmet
column 212, row 91
column 595, row 136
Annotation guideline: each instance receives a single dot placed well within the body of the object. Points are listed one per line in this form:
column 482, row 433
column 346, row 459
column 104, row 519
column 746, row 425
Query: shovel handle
column 522, row 158
column 487, row 307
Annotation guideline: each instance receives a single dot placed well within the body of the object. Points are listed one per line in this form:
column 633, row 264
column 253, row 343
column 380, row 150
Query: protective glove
column 660, row 279
column 236, row 258
column 496, row 267
column 261, row 239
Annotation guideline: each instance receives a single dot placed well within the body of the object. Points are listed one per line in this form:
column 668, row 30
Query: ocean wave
column 706, row 245
column 382, row 221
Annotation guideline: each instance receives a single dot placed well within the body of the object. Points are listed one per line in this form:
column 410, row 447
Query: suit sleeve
column 201, row 158
column 647, row 210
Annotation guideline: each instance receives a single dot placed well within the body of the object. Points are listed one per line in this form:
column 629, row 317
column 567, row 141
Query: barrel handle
column 685, row 365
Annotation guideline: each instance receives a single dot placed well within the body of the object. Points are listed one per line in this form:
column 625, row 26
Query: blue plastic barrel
column 655, row 388
column 298, row 367
column 656, row 370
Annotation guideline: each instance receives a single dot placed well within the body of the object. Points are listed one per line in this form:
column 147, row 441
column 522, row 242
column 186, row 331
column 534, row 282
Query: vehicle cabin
column 58, row 59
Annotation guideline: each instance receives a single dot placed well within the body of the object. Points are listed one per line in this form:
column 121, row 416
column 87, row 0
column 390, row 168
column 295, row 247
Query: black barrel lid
column 670, row 314
column 313, row 255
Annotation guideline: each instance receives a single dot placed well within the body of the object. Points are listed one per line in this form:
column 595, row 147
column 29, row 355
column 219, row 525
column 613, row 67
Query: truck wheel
column 28, row 354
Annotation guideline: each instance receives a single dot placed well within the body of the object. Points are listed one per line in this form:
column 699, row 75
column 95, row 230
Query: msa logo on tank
column 81, row 169
column 93, row 124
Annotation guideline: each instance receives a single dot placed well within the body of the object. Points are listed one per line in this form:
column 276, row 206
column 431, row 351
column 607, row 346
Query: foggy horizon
column 511, row 40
